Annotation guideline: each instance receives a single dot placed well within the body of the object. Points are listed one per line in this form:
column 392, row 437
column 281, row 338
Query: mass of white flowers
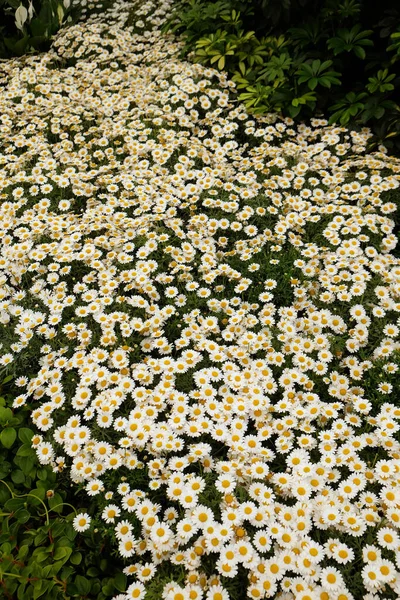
column 209, row 303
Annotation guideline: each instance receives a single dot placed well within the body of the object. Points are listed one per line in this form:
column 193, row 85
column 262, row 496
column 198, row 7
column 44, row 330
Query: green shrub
column 41, row 554
column 303, row 58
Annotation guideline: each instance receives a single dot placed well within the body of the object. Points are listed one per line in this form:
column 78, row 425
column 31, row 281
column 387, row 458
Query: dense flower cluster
column 202, row 297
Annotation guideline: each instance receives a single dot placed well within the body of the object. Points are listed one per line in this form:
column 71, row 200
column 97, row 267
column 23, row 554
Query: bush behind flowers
column 208, row 305
column 303, row 58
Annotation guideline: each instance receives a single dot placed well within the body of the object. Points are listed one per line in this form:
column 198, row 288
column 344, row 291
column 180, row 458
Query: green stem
column 63, row 504
column 24, row 496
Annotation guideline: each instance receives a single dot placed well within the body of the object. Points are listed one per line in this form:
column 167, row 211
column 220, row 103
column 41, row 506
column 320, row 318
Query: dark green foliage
column 303, row 58
column 29, row 26
column 41, row 555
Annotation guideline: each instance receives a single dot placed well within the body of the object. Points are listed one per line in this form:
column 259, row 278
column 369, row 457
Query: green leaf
column 18, row 476
column 18, row 47
column 120, row 582
column 5, row 414
column 56, row 567
column 76, row 558
column 313, row 82
column 41, row 556
column 40, row 537
column 82, row 585
column 21, row 595
column 61, row 552
column 42, row 473
column 22, row 515
column 36, row 493
column 37, row 27
column 23, row 551
column 25, row 435
column 14, row 504
column 41, row 587
column 25, row 450
column 360, row 52
column 25, row 463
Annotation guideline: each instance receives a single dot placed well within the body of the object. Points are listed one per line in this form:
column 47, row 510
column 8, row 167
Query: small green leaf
column 42, row 474
column 76, row 558
column 22, row 515
column 41, row 557
column 5, row 414
column 61, row 553
column 25, row 435
column 23, row 551
column 21, row 595
column 17, row 476
column 82, row 584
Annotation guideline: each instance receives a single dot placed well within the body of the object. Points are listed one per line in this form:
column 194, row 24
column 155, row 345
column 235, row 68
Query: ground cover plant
column 200, row 308
column 303, row 58
column 42, row 555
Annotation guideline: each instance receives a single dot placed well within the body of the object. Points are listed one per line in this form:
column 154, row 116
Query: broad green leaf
column 14, row 504
column 82, row 585
column 18, row 476
column 25, row 435
column 25, row 450
column 120, row 582
column 8, row 437
column 42, row 474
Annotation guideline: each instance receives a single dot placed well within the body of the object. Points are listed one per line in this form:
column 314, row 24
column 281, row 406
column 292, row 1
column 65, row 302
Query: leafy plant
column 301, row 57
column 348, row 107
column 350, row 40
column 275, row 68
column 316, row 73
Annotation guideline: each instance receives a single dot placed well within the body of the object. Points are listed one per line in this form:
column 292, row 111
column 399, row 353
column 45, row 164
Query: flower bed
column 203, row 307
